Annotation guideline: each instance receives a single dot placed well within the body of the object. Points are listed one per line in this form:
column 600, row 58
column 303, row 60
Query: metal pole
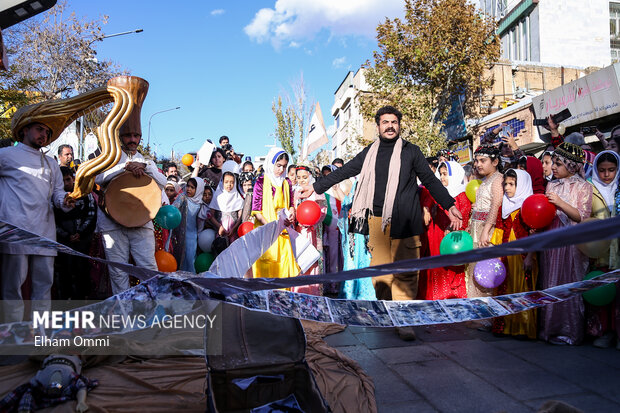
column 122, row 33
column 172, row 150
column 148, row 142
column 106, row 36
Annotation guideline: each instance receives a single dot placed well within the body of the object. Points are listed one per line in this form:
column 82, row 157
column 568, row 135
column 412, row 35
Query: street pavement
column 451, row 368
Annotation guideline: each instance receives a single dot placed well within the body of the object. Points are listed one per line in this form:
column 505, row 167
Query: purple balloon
column 490, row 273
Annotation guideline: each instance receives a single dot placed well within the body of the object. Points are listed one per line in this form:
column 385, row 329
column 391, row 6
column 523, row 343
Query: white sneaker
column 604, row 341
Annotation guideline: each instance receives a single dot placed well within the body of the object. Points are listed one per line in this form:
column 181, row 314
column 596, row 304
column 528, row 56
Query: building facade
column 546, row 45
column 349, row 123
column 559, row 32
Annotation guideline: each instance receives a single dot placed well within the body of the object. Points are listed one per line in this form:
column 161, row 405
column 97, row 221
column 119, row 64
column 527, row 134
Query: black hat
column 571, row 152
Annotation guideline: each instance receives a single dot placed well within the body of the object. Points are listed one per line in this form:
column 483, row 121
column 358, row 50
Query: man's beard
column 128, row 150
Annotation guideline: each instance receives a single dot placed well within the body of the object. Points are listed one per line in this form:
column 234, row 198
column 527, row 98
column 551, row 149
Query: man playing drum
column 138, row 238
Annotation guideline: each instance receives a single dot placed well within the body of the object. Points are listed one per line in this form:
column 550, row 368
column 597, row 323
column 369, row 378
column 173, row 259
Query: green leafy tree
column 437, row 52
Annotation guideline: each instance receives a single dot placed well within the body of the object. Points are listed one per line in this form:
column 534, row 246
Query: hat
column 60, row 113
column 56, row 114
column 571, row 152
column 137, row 88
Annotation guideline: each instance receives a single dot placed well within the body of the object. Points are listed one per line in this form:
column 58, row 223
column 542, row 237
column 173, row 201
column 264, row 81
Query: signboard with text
column 591, row 97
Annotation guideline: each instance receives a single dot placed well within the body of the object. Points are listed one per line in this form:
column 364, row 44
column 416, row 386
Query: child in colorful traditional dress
column 521, row 270
column 246, row 181
column 563, row 323
column 444, row 282
column 356, row 255
column 603, row 322
column 485, row 208
column 226, row 205
column 272, row 193
column 311, row 233
column 189, row 203
column 205, row 214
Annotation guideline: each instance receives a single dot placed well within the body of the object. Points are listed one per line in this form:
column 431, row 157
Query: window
column 519, row 43
column 338, row 121
column 514, row 44
column 524, row 28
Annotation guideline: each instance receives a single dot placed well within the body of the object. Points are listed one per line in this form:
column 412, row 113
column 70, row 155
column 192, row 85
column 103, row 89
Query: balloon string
column 167, row 247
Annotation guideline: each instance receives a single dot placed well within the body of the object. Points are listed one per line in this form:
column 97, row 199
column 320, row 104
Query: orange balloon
column 187, row 159
column 165, row 261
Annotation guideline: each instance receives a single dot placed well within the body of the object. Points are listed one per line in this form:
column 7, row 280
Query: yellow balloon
column 595, row 249
column 471, row 189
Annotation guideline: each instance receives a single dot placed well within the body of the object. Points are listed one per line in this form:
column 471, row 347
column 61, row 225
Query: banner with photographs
column 172, row 298
column 229, row 285
column 162, row 295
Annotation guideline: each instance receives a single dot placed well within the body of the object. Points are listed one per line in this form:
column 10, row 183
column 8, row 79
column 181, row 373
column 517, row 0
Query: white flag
column 317, row 135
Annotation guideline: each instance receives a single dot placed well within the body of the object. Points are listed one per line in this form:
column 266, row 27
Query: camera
column 588, row 130
column 557, row 118
column 228, row 149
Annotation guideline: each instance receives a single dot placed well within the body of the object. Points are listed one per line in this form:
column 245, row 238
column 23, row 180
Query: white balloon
column 205, row 240
column 230, row 166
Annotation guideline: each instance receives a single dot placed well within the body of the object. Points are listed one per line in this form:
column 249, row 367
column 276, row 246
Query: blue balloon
column 168, row 217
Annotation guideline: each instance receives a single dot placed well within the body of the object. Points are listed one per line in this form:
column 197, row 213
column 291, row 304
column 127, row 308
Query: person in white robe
column 120, row 241
column 30, row 186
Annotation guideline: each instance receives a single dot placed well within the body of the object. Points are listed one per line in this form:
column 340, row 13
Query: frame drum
column 131, row 201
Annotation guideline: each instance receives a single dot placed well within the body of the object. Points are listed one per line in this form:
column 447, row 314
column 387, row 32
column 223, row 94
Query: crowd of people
column 386, row 204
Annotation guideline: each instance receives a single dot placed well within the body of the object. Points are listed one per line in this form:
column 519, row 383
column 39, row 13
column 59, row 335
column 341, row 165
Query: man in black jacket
column 386, row 204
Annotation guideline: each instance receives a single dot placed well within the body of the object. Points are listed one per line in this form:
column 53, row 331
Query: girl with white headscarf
column 227, row 204
column 443, row 283
column 605, row 203
column 273, row 193
column 521, row 273
column 604, row 189
column 189, row 203
column 605, row 180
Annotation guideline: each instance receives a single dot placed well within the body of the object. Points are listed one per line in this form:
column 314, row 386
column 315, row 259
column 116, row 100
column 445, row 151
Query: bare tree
column 52, row 57
column 292, row 117
column 57, row 53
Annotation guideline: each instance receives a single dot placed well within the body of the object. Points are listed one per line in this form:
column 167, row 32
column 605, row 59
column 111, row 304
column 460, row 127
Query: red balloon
column 245, row 228
column 537, row 212
column 165, row 261
column 308, row 213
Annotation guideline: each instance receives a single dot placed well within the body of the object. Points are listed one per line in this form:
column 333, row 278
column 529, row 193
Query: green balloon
column 455, row 242
column 203, row 262
column 599, row 296
column 168, row 217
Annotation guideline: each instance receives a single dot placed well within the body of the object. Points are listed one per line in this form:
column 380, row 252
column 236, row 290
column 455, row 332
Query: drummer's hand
column 136, row 168
column 68, row 201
